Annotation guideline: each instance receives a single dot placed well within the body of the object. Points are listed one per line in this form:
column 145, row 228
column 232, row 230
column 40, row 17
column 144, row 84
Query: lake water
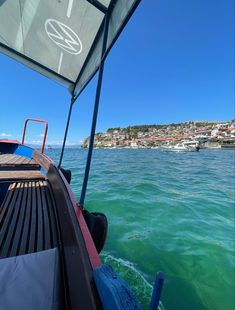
column 167, row 211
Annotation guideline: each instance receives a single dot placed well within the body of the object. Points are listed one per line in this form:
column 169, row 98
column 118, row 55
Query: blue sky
column 174, row 62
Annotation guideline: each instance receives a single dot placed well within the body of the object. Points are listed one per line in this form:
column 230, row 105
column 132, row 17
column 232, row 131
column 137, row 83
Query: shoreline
column 154, row 148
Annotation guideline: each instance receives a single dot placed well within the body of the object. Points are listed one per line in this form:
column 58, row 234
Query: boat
column 228, row 143
column 184, row 146
column 49, row 242
column 192, row 145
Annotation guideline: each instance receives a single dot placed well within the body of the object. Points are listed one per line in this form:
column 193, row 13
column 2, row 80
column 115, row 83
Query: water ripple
column 167, row 211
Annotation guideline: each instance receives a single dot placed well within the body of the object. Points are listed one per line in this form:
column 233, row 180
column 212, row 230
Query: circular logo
column 63, row 36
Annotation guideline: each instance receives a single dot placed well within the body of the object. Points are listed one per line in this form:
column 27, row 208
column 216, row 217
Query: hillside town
column 205, row 134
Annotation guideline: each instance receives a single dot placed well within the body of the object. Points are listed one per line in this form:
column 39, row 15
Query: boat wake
column 135, row 279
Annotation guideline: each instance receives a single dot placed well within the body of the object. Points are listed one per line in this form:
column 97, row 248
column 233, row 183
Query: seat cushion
column 30, row 281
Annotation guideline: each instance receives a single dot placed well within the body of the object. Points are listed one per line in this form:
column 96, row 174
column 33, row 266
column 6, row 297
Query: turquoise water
column 167, row 211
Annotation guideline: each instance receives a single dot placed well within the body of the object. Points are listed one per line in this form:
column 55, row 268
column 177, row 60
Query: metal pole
column 157, row 290
column 66, row 130
column 95, row 112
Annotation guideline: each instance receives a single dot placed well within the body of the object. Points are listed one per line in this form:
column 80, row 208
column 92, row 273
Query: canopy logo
column 63, row 36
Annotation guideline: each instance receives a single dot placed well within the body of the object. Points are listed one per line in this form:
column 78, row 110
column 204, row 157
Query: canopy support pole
column 66, row 130
column 73, row 99
column 99, row 6
column 95, row 112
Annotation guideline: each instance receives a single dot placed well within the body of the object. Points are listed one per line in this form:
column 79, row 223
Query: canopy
column 62, row 39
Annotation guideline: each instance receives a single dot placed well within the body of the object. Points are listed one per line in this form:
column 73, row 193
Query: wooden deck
column 17, row 161
column 16, row 167
column 9, row 175
column 27, row 219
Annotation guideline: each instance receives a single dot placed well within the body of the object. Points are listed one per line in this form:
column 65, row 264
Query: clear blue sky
column 174, row 62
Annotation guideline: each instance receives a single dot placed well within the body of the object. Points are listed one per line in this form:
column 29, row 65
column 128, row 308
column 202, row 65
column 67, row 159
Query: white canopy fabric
column 61, row 39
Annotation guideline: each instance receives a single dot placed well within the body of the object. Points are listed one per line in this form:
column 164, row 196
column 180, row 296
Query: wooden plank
column 40, row 232
column 9, row 158
column 26, row 160
column 3, row 158
column 6, row 200
column 41, row 160
column 12, row 167
column 45, row 206
column 8, row 217
column 26, row 229
column 32, row 162
column 13, row 222
column 27, row 219
column 16, row 160
column 20, row 225
column 33, row 226
column 51, row 212
column 6, row 157
column 20, row 175
column 20, row 160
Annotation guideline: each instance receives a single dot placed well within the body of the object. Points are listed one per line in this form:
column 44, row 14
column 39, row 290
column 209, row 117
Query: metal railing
column 45, row 132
